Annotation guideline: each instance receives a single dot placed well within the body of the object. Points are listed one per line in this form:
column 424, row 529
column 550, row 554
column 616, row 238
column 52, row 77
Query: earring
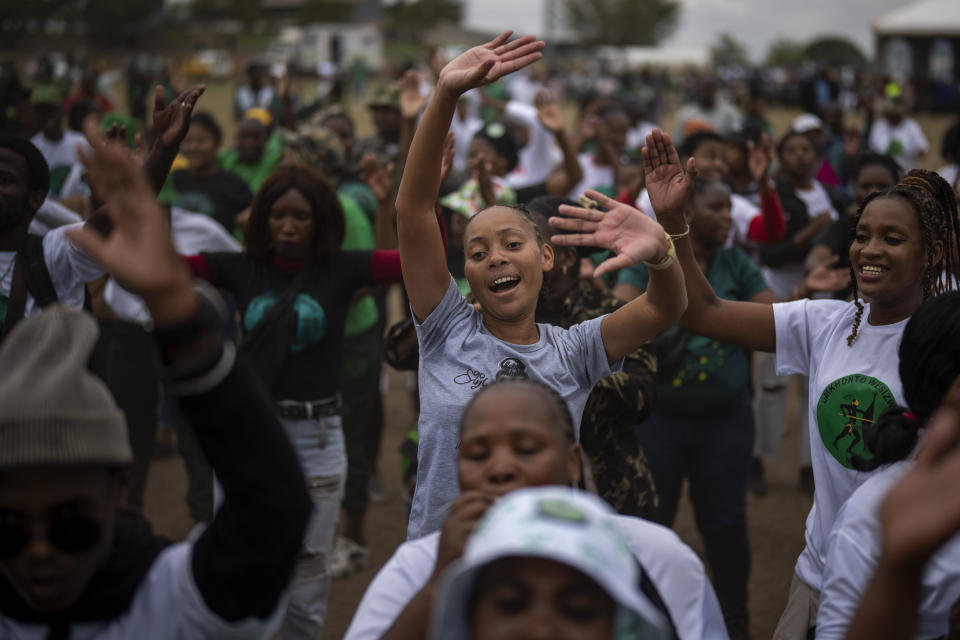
column 563, row 271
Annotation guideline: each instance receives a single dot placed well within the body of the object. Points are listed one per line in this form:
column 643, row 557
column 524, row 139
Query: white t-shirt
column 595, row 176
column 849, row 386
column 538, row 158
column 192, row 233
column 741, row 210
column 637, row 136
column 853, row 553
column 51, row 215
column 70, row 269
column 168, row 605
column 903, row 142
column 673, row 567
column 463, row 131
column 817, row 200
column 60, row 155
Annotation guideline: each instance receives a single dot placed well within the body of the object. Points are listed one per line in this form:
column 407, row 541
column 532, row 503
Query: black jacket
column 785, row 252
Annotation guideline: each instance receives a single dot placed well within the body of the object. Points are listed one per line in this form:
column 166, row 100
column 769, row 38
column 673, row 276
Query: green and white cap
column 565, row 525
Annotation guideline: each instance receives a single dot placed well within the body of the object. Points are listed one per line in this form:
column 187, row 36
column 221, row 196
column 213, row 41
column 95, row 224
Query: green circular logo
column 848, row 407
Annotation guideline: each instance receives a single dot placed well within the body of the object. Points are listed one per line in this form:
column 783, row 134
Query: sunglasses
column 68, row 530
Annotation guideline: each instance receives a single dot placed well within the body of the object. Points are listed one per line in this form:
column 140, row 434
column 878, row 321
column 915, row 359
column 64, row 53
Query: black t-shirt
column 221, row 196
column 312, row 368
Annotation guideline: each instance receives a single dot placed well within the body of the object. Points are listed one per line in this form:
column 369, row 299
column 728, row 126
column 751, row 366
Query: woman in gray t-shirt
column 462, row 348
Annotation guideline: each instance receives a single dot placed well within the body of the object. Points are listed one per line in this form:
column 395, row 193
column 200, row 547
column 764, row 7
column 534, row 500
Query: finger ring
column 183, row 104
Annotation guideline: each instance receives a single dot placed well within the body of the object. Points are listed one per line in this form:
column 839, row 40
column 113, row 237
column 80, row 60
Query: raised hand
column 668, row 185
column 759, row 158
column 488, row 62
column 548, row 112
column 171, row 121
column 624, row 230
column 449, row 150
column 138, row 251
column 379, row 179
column 411, row 100
column 465, row 513
column 827, row 278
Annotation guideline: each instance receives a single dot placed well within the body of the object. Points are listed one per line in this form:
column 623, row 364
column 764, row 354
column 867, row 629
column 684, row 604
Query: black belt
column 297, row 410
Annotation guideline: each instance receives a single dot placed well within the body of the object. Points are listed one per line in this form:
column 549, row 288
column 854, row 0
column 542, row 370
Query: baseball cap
column 806, row 122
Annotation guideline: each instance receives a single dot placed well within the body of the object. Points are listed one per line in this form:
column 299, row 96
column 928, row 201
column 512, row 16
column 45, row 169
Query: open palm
column 488, row 62
column 138, row 251
column 171, row 121
column 629, row 233
column 668, row 185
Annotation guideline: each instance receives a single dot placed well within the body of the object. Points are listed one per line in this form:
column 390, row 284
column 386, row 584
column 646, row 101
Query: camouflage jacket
column 617, row 403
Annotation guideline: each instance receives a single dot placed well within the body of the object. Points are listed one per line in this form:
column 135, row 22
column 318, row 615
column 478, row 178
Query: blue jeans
column 714, row 455
column 325, row 466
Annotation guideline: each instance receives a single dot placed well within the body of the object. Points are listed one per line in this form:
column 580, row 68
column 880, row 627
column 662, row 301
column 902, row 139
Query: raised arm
column 170, row 124
column 245, row 558
column 748, row 324
column 548, row 113
column 772, row 223
column 634, row 238
column 421, row 247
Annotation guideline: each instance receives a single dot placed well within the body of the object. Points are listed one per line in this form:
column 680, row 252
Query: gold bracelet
column 677, row 236
column 668, row 259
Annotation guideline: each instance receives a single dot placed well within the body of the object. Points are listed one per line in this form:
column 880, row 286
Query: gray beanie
column 53, row 411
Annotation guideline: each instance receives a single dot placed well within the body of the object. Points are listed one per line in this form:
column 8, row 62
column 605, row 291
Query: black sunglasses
column 68, row 530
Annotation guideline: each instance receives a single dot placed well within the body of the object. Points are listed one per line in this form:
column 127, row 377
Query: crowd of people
column 584, row 308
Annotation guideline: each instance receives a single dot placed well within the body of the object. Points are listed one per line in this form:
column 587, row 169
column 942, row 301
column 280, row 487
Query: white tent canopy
column 923, row 18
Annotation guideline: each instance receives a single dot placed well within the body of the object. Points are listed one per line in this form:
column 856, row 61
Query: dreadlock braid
column 935, row 204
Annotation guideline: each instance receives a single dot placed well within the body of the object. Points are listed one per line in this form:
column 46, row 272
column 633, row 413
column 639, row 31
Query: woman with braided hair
column 904, row 251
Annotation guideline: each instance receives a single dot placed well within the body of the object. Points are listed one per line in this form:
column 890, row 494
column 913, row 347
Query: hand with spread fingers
column 668, row 184
column 379, row 179
column 139, row 251
column 759, row 158
column 488, row 62
column 629, row 233
column 826, row 277
column 411, row 100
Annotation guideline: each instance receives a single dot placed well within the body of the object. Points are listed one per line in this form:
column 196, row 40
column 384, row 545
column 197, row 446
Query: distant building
column 920, row 41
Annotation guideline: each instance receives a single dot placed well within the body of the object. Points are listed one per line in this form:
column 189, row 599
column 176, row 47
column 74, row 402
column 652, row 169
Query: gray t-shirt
column 458, row 356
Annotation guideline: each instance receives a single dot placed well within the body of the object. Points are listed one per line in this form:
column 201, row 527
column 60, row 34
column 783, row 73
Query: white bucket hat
column 565, row 525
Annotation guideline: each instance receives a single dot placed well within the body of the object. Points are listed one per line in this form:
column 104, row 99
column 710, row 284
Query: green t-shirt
column 359, row 235
column 254, row 174
column 714, row 374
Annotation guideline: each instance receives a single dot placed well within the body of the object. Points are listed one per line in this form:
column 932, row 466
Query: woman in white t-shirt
column 898, row 136
column 929, row 365
column 516, row 434
column 905, row 239
column 462, row 348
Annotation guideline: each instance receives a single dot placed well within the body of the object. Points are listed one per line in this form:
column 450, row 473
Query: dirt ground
column 776, row 520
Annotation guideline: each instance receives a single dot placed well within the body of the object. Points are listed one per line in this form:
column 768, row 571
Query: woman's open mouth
column 504, row 284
